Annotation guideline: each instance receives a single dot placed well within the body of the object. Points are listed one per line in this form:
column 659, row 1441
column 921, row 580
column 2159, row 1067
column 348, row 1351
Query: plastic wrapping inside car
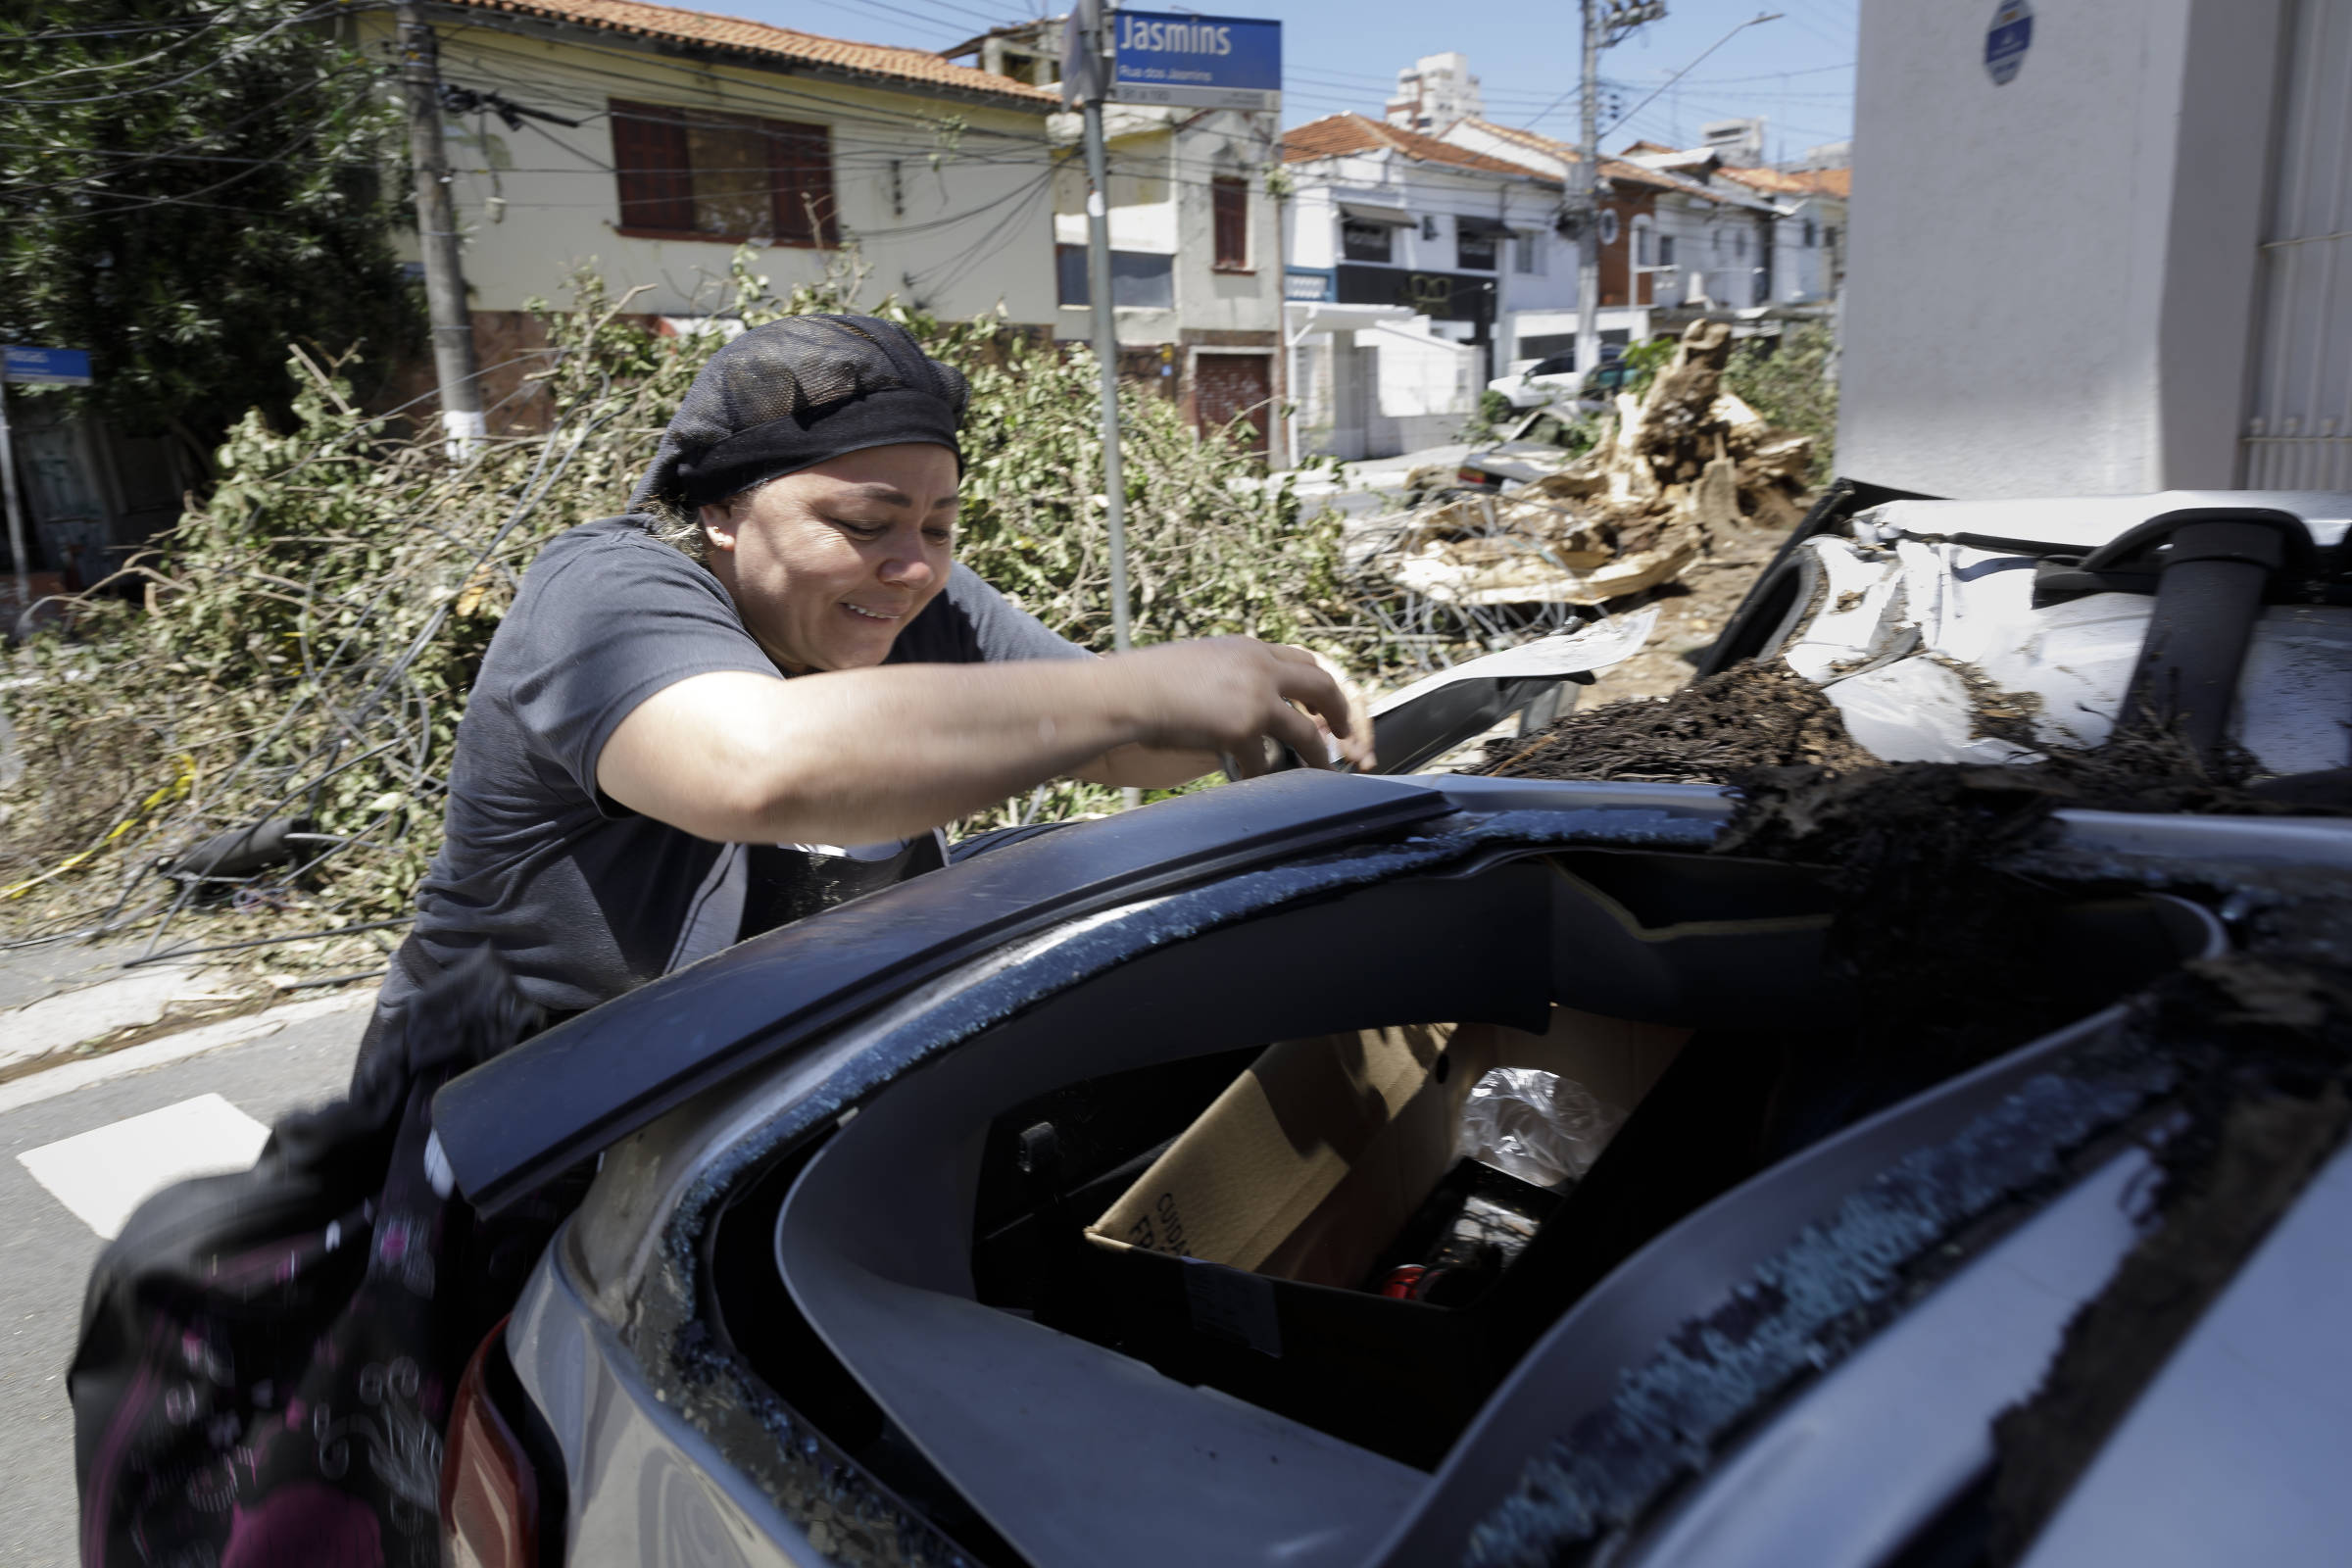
column 935, row 1245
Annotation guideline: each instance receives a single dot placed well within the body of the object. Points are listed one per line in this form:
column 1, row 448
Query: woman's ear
column 718, row 519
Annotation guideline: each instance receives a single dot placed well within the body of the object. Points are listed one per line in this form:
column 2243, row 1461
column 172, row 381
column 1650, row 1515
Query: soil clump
column 1710, row 732
column 1763, row 716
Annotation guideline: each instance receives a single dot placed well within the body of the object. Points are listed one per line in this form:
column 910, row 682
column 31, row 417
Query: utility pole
column 1606, row 23
column 17, row 549
column 1588, row 200
column 461, row 425
column 1083, row 77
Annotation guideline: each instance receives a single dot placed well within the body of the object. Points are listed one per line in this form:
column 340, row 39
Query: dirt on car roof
column 1709, row 732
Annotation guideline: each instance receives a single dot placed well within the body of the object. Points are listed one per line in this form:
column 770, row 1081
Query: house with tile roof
column 1412, row 265
column 1694, row 236
column 651, row 143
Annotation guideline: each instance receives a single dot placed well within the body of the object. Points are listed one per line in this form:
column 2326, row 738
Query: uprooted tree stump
column 1685, row 460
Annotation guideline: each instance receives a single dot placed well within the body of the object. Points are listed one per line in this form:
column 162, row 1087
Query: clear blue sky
column 1797, row 72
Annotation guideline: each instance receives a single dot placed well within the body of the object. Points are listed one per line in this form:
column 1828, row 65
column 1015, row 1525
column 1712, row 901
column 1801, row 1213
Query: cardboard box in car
column 1314, row 1158
column 1237, row 1258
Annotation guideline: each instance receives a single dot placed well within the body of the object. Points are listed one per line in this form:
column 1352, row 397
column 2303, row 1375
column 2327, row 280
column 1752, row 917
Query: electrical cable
column 278, row 159
column 189, row 197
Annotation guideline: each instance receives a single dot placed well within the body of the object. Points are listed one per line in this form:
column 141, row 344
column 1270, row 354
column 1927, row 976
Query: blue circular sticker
column 2007, row 40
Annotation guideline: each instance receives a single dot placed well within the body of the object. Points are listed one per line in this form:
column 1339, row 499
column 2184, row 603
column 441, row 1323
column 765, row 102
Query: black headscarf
column 798, row 392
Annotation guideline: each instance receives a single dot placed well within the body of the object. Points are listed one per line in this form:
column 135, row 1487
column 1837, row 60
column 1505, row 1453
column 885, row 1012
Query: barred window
column 1229, row 205
column 689, row 174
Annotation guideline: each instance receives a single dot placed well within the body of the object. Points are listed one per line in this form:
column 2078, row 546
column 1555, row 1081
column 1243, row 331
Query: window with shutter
column 649, row 161
column 1229, row 205
column 687, row 174
column 803, row 161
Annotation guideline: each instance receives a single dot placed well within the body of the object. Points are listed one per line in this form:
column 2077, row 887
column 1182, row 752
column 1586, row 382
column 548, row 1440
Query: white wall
column 1232, row 145
column 1162, row 205
column 561, row 203
column 2050, row 282
column 1429, row 190
column 2299, row 407
column 1800, row 272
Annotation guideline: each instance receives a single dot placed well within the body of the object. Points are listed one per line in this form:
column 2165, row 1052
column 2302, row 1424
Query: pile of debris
column 1670, row 471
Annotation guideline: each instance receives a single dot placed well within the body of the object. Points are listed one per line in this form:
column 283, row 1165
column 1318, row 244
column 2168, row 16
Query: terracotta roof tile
column 1614, row 170
column 1337, row 135
column 760, row 41
column 1838, row 182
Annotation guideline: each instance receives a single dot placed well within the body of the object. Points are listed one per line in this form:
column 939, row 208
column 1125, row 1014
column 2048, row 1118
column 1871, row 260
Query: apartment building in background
column 1411, row 265
column 1432, row 92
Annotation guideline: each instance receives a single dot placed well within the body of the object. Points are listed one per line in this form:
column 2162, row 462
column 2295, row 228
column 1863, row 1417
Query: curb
column 80, row 1074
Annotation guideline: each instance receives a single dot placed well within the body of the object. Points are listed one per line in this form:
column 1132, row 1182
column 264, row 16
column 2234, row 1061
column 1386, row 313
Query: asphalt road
column 46, row 1251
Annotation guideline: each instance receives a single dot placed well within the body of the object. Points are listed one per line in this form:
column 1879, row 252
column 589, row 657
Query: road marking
column 103, row 1174
column 81, row 1073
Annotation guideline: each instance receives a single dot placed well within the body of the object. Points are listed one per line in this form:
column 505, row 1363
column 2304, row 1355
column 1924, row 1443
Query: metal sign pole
column 15, row 513
column 1107, row 355
column 1107, row 329
column 1587, row 198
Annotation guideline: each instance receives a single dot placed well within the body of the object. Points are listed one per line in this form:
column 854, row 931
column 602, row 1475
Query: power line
column 89, row 190
column 938, row 26
column 1767, row 76
column 983, row 18
column 1678, row 75
column 516, row 72
column 210, row 135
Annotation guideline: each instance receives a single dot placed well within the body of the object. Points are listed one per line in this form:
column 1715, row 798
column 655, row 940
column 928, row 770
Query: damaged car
column 1896, row 1168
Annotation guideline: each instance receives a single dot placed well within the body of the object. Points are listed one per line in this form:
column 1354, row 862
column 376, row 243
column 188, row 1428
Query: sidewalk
column 72, row 1014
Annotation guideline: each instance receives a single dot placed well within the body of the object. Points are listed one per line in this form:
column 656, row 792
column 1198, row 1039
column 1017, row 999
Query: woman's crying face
column 828, row 565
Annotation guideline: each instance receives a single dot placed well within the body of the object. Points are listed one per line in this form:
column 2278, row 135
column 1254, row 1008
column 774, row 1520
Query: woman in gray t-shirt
column 767, row 688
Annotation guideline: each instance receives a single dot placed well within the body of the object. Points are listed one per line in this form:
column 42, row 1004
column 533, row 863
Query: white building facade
column 1677, row 238
column 1195, row 242
column 1410, row 262
column 688, row 144
column 957, row 190
column 2148, row 281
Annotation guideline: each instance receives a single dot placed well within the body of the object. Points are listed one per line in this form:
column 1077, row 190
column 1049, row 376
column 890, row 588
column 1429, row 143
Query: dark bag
column 266, row 1358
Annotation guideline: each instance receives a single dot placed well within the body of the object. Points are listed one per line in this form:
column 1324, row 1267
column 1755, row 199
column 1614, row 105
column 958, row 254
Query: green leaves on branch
column 318, row 622
column 187, row 185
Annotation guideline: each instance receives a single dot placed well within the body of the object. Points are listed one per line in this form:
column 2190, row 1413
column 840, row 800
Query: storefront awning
column 1306, row 318
column 1467, row 225
column 1366, row 213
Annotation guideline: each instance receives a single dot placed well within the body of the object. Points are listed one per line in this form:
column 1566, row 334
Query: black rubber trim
column 1766, row 605
column 2214, row 567
column 523, row 1118
column 1431, row 726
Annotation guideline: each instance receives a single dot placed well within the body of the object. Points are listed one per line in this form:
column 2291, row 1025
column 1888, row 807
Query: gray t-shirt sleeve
column 599, row 628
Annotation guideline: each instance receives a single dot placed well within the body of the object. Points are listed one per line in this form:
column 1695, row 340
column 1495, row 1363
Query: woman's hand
column 1230, row 695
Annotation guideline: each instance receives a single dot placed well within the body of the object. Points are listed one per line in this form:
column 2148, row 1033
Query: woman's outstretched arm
column 854, row 757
